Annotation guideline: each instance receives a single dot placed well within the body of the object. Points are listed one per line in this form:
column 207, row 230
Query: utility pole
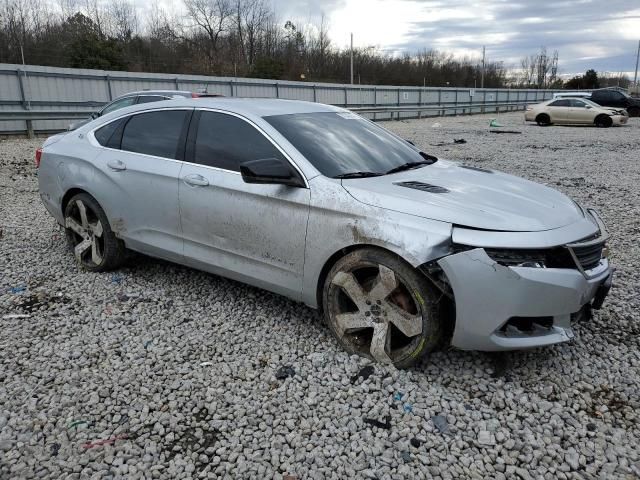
column 635, row 77
column 351, row 58
column 482, row 75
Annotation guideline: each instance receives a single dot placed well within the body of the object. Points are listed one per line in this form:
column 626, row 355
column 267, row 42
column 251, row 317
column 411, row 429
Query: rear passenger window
column 559, row 103
column 105, row 135
column 154, row 133
column 225, row 141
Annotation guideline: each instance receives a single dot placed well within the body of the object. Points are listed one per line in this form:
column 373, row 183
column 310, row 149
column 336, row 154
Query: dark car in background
column 610, row 97
column 135, row 98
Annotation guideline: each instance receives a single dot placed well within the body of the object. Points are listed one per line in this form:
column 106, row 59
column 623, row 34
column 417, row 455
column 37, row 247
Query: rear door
column 139, row 169
column 250, row 232
column 559, row 110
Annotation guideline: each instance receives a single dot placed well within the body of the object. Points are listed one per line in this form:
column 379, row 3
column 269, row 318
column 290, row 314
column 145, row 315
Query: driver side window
column 225, row 141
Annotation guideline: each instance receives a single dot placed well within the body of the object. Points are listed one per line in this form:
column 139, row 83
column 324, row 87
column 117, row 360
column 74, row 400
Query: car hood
column 468, row 196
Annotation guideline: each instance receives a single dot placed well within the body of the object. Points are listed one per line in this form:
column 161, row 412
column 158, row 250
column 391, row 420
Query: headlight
column 517, row 258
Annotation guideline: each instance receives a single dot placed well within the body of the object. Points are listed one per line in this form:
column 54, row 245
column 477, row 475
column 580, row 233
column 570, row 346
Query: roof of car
column 182, row 93
column 260, row 107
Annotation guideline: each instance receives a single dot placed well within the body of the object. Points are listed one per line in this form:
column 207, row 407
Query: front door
column 580, row 112
column 250, row 232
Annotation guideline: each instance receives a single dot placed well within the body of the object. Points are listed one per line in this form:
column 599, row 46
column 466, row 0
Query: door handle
column 116, row 165
column 196, row 180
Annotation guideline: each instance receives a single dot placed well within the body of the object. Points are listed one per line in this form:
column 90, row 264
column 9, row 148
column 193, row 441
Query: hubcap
column 386, row 316
column 87, row 234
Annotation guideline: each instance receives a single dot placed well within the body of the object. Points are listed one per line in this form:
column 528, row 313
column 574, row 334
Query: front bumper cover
column 488, row 294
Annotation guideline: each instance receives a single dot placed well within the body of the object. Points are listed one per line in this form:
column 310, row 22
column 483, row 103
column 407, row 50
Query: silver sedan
column 402, row 251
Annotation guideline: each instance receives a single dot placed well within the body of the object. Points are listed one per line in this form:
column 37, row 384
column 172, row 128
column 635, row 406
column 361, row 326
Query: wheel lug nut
column 368, row 302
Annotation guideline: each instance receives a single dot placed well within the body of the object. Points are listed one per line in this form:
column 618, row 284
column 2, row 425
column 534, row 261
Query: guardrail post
column 440, row 112
column 315, row 94
column 455, row 111
column 346, row 98
column 107, row 80
column 375, row 101
column 231, row 87
column 175, row 80
column 25, row 103
column 277, row 85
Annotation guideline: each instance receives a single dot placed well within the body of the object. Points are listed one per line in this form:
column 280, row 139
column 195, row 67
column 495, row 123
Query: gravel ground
column 159, row 371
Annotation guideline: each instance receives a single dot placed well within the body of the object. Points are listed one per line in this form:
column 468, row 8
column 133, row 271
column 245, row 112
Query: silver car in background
column 400, row 250
column 136, row 98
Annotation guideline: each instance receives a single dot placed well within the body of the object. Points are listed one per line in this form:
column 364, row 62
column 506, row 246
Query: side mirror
column 95, row 115
column 588, row 106
column 270, row 171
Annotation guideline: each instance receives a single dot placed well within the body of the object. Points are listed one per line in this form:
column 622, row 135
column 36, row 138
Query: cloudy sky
column 600, row 34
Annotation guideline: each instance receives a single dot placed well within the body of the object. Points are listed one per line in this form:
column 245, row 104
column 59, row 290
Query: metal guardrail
column 441, row 109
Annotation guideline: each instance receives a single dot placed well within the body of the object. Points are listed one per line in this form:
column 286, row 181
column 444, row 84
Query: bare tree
column 123, row 19
column 211, row 18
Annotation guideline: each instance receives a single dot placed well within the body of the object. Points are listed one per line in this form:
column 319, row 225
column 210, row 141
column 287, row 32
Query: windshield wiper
column 358, row 175
column 409, row 166
column 428, row 160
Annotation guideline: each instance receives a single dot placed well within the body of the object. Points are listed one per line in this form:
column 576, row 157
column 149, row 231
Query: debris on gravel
column 161, row 371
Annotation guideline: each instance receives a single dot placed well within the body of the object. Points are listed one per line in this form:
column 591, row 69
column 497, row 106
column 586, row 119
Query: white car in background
column 574, row 111
column 581, row 94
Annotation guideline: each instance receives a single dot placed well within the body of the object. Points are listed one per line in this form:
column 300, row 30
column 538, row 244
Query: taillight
column 38, row 157
column 195, row 95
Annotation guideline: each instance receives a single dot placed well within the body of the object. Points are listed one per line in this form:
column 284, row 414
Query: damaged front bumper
column 502, row 307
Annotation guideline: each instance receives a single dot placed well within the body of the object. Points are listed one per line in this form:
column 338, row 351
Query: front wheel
column 89, row 235
column 603, row 121
column 379, row 307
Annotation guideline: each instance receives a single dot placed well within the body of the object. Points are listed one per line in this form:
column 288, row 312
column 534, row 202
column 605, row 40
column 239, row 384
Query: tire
column 603, row 121
column 543, row 120
column 89, row 235
column 633, row 111
column 379, row 307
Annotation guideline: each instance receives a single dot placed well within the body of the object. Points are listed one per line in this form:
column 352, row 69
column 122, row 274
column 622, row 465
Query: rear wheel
column 89, row 235
column 603, row 121
column 543, row 120
column 379, row 307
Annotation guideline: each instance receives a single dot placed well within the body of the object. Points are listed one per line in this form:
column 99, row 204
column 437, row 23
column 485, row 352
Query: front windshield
column 339, row 143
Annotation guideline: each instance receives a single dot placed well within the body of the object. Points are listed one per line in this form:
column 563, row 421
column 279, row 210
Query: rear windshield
column 337, row 143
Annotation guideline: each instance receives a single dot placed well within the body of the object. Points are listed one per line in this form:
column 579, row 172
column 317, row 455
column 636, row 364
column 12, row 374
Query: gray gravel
column 176, row 369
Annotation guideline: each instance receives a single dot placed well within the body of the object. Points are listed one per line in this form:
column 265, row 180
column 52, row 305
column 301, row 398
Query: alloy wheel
column 374, row 313
column 86, row 233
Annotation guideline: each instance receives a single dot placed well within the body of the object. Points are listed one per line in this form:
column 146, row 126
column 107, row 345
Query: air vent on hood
column 477, row 169
column 425, row 187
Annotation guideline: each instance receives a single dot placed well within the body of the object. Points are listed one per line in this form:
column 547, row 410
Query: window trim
column 191, row 137
column 94, row 142
column 92, row 139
